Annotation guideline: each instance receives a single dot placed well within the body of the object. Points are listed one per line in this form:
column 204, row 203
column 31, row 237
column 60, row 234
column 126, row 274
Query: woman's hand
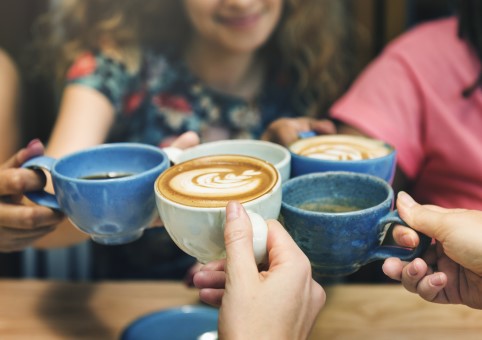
column 22, row 222
column 285, row 131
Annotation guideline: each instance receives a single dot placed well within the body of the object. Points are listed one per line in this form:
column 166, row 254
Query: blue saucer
column 181, row 323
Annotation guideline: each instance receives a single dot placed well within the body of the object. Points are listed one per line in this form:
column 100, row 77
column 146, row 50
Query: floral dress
column 163, row 99
column 155, row 105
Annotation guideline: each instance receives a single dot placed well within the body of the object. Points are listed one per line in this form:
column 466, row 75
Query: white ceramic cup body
column 200, row 231
column 273, row 153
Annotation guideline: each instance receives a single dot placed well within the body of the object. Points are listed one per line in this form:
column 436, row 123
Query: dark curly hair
column 311, row 40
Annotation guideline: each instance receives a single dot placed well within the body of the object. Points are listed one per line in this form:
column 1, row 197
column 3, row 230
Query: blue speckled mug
column 107, row 191
column 340, row 219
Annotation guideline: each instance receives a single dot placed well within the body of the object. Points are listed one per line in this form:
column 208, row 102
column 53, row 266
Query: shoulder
column 7, row 65
column 428, row 39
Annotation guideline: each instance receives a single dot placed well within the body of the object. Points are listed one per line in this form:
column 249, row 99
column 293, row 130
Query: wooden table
column 61, row 310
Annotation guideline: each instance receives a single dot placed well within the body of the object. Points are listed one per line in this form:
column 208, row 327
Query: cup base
column 113, row 240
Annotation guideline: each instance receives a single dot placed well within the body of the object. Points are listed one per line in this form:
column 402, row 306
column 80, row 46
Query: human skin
column 450, row 272
column 250, row 300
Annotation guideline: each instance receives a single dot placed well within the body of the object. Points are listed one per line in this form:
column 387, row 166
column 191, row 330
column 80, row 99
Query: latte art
column 212, row 181
column 341, row 148
column 220, row 181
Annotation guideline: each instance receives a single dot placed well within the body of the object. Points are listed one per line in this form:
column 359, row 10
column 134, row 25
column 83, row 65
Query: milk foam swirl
column 342, row 152
column 339, row 147
column 212, row 181
column 216, row 182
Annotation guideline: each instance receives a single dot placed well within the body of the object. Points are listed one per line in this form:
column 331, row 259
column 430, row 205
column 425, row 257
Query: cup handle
column 173, row 153
column 260, row 237
column 41, row 197
column 404, row 254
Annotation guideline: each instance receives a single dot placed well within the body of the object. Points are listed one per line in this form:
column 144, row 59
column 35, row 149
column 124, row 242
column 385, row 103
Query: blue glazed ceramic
column 184, row 323
column 113, row 210
column 383, row 167
column 339, row 243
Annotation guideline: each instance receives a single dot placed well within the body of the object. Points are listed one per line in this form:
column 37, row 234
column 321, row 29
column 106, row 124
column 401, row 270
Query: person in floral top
column 149, row 70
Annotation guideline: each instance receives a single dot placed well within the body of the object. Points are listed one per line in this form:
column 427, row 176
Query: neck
column 238, row 74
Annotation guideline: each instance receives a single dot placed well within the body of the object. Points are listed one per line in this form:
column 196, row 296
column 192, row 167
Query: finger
column 425, row 220
column 430, row 286
column 324, row 126
column 405, row 237
column 217, row 265
column 28, row 217
column 238, row 238
column 17, row 181
column 186, row 140
column 412, row 273
column 19, row 234
column 212, row 297
column 209, row 279
column 34, row 148
column 281, row 247
column 393, row 267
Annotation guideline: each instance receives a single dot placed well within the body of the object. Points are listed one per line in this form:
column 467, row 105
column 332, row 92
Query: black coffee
column 332, row 206
column 107, row 175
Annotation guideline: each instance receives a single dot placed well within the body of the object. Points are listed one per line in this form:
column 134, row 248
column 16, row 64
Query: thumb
column 238, row 239
column 34, row 148
column 427, row 221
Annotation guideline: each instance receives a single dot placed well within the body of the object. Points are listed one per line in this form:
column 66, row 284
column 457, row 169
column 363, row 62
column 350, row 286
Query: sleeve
column 103, row 74
column 385, row 102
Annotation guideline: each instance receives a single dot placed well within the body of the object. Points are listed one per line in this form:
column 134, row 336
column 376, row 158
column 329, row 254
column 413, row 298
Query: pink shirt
column 410, row 96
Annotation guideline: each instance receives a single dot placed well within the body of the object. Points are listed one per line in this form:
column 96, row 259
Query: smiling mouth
column 245, row 21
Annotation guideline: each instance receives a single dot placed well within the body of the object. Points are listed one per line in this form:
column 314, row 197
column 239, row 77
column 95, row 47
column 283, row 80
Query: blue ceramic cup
column 340, row 219
column 322, row 153
column 107, row 191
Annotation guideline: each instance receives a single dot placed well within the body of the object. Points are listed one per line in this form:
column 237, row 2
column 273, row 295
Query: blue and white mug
column 340, row 219
column 107, row 191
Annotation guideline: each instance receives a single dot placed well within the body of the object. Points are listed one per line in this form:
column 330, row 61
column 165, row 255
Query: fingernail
column 408, row 240
column 405, row 199
column 436, row 280
column 413, row 269
column 33, row 143
column 232, row 211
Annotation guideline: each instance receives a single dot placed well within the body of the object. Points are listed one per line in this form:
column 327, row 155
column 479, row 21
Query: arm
column 9, row 107
column 84, row 120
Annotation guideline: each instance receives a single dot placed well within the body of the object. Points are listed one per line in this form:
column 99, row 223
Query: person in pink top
column 413, row 97
column 422, row 94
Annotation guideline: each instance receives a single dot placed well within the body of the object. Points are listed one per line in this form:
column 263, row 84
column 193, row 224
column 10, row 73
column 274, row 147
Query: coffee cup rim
column 287, row 154
column 380, row 181
column 105, row 147
column 386, row 144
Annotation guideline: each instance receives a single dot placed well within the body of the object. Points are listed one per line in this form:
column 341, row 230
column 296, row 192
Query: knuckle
column 28, row 218
column 234, row 236
column 15, row 182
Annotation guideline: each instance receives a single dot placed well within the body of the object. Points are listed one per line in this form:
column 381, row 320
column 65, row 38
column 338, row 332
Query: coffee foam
column 212, row 181
column 341, row 147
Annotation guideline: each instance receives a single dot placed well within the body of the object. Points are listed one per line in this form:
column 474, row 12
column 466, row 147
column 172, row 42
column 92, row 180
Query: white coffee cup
column 198, row 228
column 276, row 154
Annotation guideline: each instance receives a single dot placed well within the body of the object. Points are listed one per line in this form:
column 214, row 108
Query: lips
column 243, row 21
